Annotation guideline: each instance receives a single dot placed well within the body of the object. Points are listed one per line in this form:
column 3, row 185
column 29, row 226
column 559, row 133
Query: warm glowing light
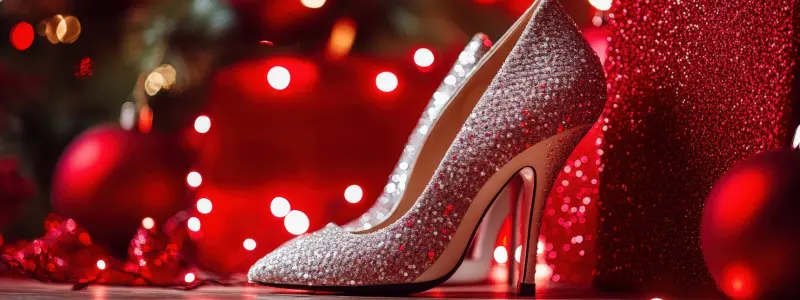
column 168, row 73
column 193, row 224
column 202, row 124
column 101, row 264
column 518, row 254
column 153, row 83
column 249, row 244
column 313, row 3
column 296, row 222
column 423, row 57
column 194, row 179
column 796, row 143
column 22, row 36
column 656, row 299
column 601, row 4
column 343, row 35
column 50, row 28
column 148, row 223
column 500, row 255
column 279, row 207
column 386, row 81
column 353, row 193
column 189, row 277
column 278, row 78
column 68, row 30
column 204, row 206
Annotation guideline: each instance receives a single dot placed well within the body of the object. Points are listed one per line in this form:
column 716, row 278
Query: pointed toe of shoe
column 295, row 263
column 266, row 271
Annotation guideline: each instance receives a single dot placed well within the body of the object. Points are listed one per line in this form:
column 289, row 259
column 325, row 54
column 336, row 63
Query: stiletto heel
column 532, row 97
column 537, row 179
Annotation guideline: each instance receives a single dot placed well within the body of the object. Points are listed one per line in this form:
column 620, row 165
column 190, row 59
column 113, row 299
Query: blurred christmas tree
column 87, row 58
column 83, row 65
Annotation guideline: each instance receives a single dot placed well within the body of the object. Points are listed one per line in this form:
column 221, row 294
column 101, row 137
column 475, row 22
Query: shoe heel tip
column 526, row 289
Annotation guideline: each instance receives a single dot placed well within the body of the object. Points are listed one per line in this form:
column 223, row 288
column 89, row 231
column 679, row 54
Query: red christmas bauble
column 750, row 228
column 109, row 179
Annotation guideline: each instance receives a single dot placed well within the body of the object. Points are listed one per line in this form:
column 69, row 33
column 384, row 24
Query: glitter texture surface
column 695, row 86
column 393, row 191
column 551, row 81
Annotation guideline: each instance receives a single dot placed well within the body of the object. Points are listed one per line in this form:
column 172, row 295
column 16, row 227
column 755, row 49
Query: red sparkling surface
column 694, row 87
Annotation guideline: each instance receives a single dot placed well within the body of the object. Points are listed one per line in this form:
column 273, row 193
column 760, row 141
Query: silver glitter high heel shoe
column 475, row 268
column 547, row 89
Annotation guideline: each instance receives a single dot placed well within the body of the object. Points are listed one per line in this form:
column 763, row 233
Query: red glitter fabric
column 695, row 86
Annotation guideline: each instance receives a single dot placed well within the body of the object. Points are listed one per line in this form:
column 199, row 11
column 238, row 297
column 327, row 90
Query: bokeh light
column 101, row 264
column 168, row 73
column 796, row 143
column 127, row 115
column 189, row 277
column 343, row 35
column 313, row 3
column 153, row 83
column 500, row 255
column 279, row 207
column 423, row 57
column 193, row 224
column 22, row 36
column 51, row 28
column 145, row 119
column 202, row 124
column 353, row 193
column 279, row 78
column 249, row 244
column 518, row 254
column 204, row 206
column 193, row 179
column 386, row 81
column 296, row 222
column 68, row 30
column 148, row 223
column 601, row 4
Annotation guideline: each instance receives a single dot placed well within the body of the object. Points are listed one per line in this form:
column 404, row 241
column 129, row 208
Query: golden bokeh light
column 169, row 74
column 342, row 37
column 162, row 78
column 154, row 83
column 60, row 29
column 51, row 28
column 68, row 30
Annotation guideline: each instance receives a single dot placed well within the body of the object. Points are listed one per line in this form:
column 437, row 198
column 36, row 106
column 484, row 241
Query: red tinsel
column 66, row 254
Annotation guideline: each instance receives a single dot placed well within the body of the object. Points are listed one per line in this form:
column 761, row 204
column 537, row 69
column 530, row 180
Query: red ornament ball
column 750, row 228
column 109, row 179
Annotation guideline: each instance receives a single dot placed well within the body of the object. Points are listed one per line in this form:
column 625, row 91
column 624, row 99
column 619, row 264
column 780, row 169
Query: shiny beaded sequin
column 551, row 81
column 694, row 87
column 393, row 191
